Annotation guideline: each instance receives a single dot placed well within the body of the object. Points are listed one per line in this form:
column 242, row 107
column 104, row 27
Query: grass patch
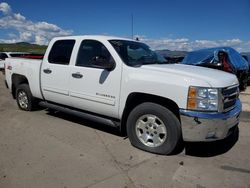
column 23, row 47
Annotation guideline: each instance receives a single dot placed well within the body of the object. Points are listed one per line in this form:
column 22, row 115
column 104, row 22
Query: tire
column 153, row 128
column 24, row 98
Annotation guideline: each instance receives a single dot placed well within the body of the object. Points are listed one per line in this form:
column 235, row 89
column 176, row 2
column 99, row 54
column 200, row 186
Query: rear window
column 61, row 51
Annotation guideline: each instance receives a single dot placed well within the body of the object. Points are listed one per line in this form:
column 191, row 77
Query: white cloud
column 27, row 30
column 40, row 39
column 26, row 36
column 19, row 17
column 5, row 8
column 184, row 44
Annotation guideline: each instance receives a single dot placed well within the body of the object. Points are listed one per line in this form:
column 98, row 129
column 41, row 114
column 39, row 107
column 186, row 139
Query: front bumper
column 205, row 126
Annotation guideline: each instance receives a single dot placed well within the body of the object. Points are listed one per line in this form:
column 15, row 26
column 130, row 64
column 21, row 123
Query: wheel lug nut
column 155, row 132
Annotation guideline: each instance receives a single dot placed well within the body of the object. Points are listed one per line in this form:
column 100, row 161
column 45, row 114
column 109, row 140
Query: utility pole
column 132, row 26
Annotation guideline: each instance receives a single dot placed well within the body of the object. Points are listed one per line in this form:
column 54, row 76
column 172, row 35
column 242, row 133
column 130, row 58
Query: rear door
column 55, row 72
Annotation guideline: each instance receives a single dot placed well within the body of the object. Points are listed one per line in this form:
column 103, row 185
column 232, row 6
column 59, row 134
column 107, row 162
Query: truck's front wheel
column 24, row 98
column 154, row 128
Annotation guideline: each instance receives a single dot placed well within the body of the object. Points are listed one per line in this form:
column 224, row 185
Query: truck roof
column 98, row 37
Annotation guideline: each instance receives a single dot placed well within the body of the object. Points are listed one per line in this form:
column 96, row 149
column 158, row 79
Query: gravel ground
column 44, row 150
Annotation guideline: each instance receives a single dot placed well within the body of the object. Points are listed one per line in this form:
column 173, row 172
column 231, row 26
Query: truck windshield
column 136, row 53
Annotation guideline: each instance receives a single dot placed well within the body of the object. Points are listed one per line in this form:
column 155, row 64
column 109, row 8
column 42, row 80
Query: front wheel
column 154, row 128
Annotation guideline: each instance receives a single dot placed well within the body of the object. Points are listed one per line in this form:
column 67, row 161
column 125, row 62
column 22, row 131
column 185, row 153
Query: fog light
column 211, row 134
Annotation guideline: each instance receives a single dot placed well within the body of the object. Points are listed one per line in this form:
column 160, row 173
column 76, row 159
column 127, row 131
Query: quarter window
column 61, row 51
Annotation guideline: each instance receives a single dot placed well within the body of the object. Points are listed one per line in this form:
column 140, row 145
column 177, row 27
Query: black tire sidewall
column 170, row 121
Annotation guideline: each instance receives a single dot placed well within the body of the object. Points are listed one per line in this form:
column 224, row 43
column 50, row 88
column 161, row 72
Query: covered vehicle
column 221, row 58
column 247, row 57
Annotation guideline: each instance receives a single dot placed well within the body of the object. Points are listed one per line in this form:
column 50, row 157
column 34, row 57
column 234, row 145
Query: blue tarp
column 211, row 54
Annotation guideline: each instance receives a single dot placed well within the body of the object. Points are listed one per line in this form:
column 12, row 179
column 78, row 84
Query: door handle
column 77, row 75
column 47, row 71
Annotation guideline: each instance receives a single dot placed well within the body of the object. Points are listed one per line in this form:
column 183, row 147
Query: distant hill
column 172, row 54
column 22, row 43
column 22, row 47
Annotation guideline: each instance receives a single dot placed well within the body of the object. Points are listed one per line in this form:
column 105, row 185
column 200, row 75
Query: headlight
column 200, row 98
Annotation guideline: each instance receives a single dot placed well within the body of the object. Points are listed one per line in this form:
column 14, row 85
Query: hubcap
column 151, row 130
column 23, row 100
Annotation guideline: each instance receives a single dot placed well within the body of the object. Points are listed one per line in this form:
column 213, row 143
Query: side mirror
column 219, row 64
column 102, row 62
column 213, row 65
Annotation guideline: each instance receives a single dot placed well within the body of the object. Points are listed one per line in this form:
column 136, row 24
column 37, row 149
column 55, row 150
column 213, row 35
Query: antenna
column 132, row 26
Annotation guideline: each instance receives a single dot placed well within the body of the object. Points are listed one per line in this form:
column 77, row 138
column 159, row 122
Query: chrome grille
column 229, row 97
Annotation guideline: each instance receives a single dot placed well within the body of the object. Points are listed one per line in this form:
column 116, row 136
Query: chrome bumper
column 204, row 126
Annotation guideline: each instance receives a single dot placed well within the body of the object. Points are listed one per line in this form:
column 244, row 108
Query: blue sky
column 171, row 24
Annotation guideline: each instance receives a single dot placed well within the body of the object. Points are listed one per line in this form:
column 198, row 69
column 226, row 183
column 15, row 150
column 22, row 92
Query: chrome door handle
column 77, row 75
column 47, row 71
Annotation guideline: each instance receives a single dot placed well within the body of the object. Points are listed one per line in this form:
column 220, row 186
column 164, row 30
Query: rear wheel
column 154, row 128
column 24, row 98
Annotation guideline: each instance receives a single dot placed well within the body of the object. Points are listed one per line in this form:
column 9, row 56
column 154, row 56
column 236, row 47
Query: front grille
column 229, row 97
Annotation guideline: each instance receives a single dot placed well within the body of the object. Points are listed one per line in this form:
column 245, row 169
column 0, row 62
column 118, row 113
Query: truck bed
column 27, row 67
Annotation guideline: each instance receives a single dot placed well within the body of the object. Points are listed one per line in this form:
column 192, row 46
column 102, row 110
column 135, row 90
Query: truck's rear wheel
column 154, row 128
column 24, row 98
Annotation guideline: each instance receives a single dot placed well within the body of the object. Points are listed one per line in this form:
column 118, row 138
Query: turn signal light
column 192, row 93
column 192, row 104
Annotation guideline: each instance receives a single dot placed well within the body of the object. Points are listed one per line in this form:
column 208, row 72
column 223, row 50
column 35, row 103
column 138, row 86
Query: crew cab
column 124, row 82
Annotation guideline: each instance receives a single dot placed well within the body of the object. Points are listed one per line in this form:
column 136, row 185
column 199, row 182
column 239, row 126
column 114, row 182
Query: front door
column 94, row 89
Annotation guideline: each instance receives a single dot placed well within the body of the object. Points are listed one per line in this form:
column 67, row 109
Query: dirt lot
column 43, row 150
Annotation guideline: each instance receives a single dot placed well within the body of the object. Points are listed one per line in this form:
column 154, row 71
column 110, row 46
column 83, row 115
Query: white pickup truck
column 119, row 80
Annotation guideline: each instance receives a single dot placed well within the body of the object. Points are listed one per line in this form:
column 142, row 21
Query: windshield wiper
column 139, row 64
column 154, row 62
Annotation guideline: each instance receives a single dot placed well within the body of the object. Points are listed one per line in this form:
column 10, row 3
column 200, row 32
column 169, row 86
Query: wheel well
column 17, row 80
column 134, row 99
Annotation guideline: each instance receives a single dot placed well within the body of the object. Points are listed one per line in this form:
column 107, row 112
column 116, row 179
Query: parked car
column 4, row 55
column 123, row 82
column 222, row 58
column 247, row 57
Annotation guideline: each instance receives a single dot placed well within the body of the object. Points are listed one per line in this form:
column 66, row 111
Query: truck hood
column 215, row 78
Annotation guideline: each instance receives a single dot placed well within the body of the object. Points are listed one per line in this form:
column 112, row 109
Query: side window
column 89, row 49
column 61, row 51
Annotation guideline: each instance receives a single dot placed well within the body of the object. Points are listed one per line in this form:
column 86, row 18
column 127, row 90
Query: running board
column 80, row 114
